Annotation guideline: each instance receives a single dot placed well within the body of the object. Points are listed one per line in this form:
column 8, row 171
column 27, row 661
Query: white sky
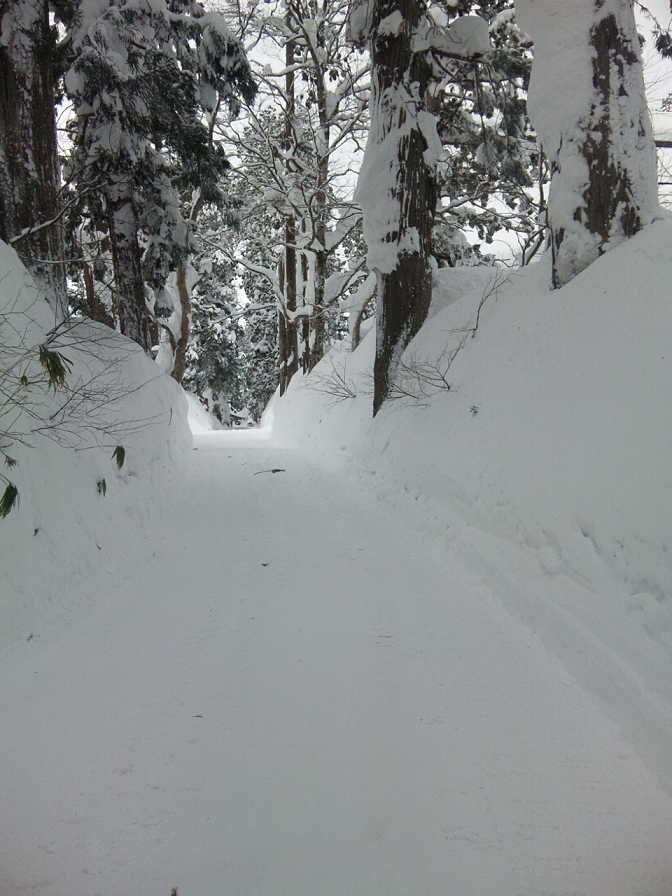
column 658, row 72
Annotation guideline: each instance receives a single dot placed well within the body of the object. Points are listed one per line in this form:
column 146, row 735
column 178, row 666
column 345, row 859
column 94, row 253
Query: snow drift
column 556, row 431
column 545, row 464
column 557, row 428
column 79, row 514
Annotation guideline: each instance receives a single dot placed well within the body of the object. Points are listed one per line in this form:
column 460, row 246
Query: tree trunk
column 95, row 309
column 29, row 173
column 288, row 341
column 397, row 187
column 318, row 320
column 599, row 139
column 180, row 362
column 303, row 269
column 134, row 316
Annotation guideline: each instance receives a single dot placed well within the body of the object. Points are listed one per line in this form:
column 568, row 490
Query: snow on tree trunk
column 134, row 316
column 397, row 185
column 588, row 105
column 29, row 173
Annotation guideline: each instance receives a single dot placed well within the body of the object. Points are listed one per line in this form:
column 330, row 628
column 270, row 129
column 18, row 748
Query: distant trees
column 266, row 274
column 595, row 130
column 310, row 114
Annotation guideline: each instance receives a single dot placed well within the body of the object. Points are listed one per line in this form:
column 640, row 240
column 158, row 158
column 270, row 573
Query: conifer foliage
column 141, row 79
column 490, row 170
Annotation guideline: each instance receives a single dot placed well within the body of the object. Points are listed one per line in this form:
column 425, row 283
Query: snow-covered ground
column 300, row 693
column 425, row 654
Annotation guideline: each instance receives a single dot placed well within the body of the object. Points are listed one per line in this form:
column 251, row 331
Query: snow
column 359, row 21
column 391, row 25
column 662, row 124
column 239, row 726
column 63, row 529
column 200, row 420
column 424, row 653
column 550, row 452
column 466, row 36
column 378, row 182
column 469, row 36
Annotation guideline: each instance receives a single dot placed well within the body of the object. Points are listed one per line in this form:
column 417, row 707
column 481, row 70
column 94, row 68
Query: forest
column 186, row 174
column 335, row 500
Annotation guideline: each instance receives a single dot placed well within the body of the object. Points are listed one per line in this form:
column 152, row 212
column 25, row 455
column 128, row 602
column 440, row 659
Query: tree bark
column 180, row 362
column 95, row 309
column 306, row 318
column 134, row 317
column 288, row 341
column 400, row 247
column 29, row 172
column 318, row 318
column 602, row 151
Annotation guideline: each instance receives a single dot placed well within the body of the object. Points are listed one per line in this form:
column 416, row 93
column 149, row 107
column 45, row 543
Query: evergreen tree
column 215, row 363
column 398, row 180
column 232, row 359
column 142, row 77
column 491, row 163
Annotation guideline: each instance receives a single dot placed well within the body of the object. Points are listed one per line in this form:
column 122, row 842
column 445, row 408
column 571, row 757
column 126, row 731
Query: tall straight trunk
column 397, row 187
column 180, row 361
column 597, row 135
column 288, row 342
column 304, row 286
column 29, row 173
column 95, row 309
column 319, row 207
column 318, row 319
column 134, row 317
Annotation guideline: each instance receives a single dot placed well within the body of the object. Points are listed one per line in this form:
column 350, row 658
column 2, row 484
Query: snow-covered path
column 299, row 696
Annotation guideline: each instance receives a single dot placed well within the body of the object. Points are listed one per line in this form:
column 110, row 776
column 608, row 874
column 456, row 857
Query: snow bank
column 556, row 433
column 200, row 420
column 80, row 517
column 546, row 466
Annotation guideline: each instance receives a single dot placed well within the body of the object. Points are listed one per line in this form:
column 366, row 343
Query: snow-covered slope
column 557, row 429
column 549, row 455
column 79, row 516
